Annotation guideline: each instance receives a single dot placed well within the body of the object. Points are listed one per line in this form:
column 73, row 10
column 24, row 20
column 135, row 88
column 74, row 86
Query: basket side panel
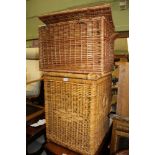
column 76, row 46
column 44, row 47
column 100, row 108
column 108, row 47
column 68, row 113
column 76, row 112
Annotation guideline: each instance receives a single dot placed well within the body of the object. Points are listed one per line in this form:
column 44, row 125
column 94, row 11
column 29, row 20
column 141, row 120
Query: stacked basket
column 76, row 55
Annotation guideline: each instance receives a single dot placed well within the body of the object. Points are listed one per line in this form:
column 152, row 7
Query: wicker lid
column 78, row 13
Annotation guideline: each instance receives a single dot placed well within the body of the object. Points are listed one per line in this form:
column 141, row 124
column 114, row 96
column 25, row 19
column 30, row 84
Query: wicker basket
column 76, row 111
column 77, row 41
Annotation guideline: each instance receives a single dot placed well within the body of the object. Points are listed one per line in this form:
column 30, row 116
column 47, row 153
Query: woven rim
column 90, row 76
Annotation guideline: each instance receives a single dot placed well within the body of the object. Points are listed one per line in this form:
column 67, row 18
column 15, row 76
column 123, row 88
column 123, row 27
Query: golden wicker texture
column 77, row 41
column 76, row 111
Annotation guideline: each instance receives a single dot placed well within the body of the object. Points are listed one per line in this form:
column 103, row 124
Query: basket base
column 54, row 148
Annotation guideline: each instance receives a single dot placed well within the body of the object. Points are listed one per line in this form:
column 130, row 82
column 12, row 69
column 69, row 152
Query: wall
column 121, row 46
column 36, row 8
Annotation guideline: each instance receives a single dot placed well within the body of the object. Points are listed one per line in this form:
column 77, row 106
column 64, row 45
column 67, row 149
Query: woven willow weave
column 77, row 41
column 76, row 112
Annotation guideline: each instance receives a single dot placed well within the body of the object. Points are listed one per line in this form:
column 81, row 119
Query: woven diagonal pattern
column 76, row 112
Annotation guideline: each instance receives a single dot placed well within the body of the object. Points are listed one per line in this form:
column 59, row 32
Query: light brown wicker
column 76, row 111
column 77, row 41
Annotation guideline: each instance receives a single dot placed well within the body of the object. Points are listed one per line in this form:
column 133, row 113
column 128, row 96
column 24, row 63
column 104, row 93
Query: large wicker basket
column 76, row 111
column 77, row 41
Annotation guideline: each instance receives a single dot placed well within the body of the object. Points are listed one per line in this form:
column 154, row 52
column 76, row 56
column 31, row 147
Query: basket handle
column 114, row 36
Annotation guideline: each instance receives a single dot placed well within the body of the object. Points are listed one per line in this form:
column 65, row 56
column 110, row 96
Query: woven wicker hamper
column 76, row 110
column 77, row 41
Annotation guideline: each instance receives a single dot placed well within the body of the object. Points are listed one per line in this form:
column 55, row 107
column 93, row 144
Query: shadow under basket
column 76, row 111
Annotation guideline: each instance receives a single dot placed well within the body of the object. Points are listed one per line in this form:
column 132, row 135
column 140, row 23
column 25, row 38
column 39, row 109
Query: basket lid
column 78, row 13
